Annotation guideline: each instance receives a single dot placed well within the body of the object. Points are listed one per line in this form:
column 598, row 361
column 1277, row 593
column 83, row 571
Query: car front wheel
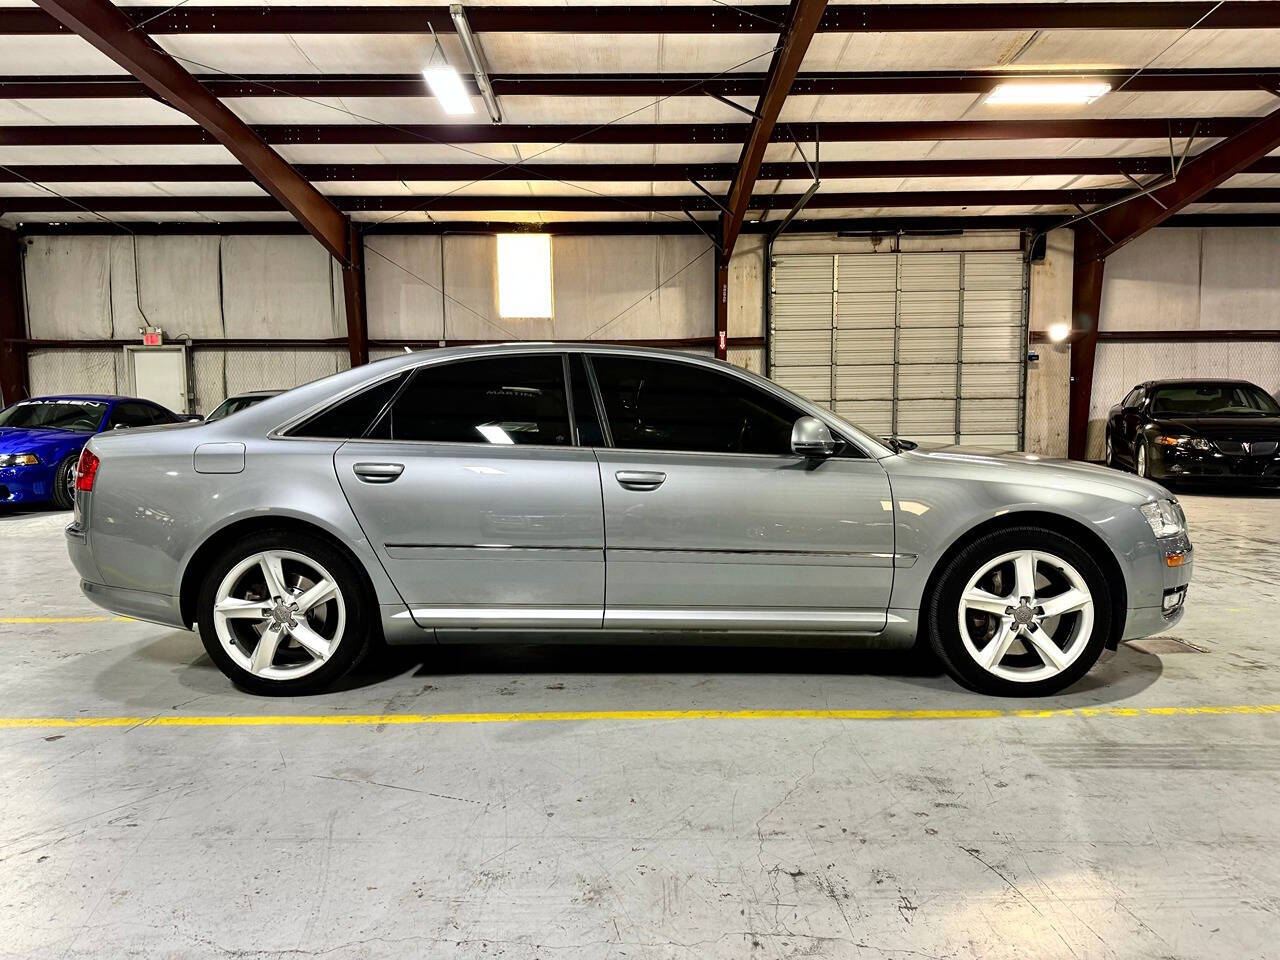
column 283, row 613
column 1020, row 612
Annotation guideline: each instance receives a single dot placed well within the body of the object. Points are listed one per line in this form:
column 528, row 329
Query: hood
column 1013, row 465
column 1223, row 428
column 42, row 442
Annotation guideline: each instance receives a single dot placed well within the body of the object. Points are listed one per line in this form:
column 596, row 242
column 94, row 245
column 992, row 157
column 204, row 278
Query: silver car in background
column 580, row 493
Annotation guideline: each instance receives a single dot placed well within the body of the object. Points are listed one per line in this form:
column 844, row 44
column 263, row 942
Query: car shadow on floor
column 1122, row 676
column 895, row 677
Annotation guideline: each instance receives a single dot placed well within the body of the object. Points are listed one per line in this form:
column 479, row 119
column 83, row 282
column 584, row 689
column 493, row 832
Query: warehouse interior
column 857, row 201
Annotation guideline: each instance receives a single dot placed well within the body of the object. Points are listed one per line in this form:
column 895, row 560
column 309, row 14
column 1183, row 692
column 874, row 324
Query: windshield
column 78, row 416
column 233, row 405
column 1213, row 400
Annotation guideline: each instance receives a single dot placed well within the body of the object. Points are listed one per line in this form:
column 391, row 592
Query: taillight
column 86, row 470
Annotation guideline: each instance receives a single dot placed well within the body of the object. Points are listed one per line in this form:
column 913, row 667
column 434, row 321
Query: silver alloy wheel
column 279, row 615
column 1111, row 456
column 71, row 482
column 1033, row 618
column 1142, row 459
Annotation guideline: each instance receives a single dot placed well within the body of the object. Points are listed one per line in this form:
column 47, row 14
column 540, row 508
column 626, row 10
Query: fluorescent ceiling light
column 524, row 275
column 1031, row 92
column 447, row 87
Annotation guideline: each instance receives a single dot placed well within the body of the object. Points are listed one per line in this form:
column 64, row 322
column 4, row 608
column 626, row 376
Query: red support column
column 722, row 308
column 1086, row 304
column 14, row 383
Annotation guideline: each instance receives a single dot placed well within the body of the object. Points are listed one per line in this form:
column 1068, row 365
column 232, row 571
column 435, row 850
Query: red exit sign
column 152, row 339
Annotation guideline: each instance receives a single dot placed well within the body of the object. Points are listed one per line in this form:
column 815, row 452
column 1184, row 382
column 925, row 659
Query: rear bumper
column 32, row 484
column 138, row 604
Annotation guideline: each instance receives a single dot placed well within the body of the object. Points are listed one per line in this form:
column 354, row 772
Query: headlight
column 1165, row 517
column 18, row 459
column 1195, row 443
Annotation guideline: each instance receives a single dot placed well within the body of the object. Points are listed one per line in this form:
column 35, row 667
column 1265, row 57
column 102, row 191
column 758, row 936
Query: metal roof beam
column 647, row 85
column 647, row 203
column 44, row 135
column 1199, row 178
column 718, row 19
column 802, row 19
column 604, row 172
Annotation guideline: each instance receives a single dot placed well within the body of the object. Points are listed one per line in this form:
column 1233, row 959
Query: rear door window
column 511, row 400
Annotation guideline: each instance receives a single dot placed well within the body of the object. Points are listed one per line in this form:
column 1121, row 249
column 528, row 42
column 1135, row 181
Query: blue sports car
column 41, row 439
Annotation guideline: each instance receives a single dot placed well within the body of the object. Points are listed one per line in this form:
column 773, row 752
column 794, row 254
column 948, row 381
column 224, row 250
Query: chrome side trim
column 749, row 620
column 767, row 553
column 485, row 614
column 479, row 546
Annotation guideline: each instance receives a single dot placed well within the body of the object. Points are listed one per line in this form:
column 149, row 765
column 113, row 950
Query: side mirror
column 811, row 438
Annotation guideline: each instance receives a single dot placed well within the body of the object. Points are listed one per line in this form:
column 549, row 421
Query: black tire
column 64, row 479
column 943, row 607
column 355, row 639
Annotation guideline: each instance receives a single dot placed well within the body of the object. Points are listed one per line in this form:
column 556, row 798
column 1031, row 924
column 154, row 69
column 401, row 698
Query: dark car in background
column 240, row 401
column 41, row 440
column 1172, row 430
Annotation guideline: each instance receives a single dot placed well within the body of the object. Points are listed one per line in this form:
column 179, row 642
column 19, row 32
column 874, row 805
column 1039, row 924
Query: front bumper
column 1175, row 581
column 33, row 484
column 1178, row 463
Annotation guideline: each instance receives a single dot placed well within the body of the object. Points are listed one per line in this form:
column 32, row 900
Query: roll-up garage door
column 929, row 346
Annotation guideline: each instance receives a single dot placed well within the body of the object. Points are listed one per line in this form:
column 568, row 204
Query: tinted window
column 1213, row 400
column 79, row 416
column 352, row 417
column 507, row 400
column 668, row 405
column 584, row 404
column 1135, row 395
column 132, row 414
column 233, row 405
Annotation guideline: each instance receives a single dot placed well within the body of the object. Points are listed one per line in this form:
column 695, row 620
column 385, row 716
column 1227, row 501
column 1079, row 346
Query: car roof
column 1199, row 381
column 92, row 397
column 279, row 412
column 255, row 393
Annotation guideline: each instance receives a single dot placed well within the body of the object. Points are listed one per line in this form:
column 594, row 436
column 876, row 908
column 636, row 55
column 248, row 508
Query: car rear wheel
column 283, row 613
column 1020, row 612
column 64, row 483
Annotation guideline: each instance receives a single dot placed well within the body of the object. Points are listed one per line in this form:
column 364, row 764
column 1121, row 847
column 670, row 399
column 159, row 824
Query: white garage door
column 926, row 345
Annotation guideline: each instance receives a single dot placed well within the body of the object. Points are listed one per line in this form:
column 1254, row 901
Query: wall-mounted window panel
column 524, row 275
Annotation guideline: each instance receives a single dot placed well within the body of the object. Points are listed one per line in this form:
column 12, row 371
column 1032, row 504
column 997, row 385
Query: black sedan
column 1173, row 430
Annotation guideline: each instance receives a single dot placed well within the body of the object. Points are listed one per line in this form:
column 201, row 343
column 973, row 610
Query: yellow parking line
column 66, row 620
column 423, row 719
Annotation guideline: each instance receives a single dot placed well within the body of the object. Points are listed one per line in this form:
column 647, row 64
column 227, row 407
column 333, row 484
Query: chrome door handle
column 378, row 472
column 640, row 479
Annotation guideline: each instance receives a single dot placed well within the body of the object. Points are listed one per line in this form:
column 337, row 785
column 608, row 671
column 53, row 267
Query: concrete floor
column 1065, row 836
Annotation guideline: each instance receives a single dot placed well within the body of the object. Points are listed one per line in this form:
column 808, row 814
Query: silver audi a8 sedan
column 567, row 493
